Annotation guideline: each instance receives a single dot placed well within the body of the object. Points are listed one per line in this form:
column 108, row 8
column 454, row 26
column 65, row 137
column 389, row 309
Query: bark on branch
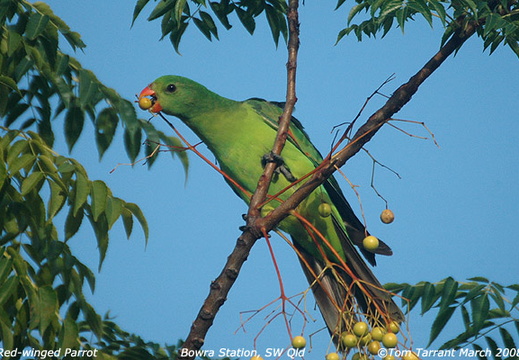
column 222, row 285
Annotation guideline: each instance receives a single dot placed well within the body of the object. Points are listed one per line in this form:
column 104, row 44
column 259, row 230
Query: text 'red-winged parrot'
column 240, row 134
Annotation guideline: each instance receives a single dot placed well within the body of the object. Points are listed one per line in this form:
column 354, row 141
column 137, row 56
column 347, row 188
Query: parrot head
column 173, row 95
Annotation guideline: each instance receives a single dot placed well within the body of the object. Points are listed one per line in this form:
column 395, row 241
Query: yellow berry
column 389, row 340
column 349, row 340
column 256, row 357
column 394, row 327
column 360, row 329
column 370, row 243
column 389, row 357
column 332, row 356
column 145, row 103
column 387, row 216
column 409, row 355
column 298, row 342
column 363, row 341
column 374, row 347
column 359, row 356
column 377, row 333
column 324, row 209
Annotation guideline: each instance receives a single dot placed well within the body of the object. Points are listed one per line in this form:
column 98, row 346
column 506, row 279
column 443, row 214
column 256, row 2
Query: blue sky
column 456, row 205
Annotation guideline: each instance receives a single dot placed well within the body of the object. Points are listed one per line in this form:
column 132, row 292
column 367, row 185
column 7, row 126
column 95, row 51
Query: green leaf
column 411, row 294
column 277, row 23
column 179, row 9
column 515, row 301
column 14, row 42
column 421, row 7
column 508, row 340
column 82, row 189
column 138, row 8
column 69, row 336
column 137, row 212
column 88, row 88
column 439, row 323
column 105, row 127
column 15, row 112
column 480, row 352
column 10, row 83
column 74, row 121
column 98, row 193
column 7, row 335
column 32, row 181
column 355, row 10
column 132, row 143
column 101, row 231
column 87, row 274
column 72, row 37
column 36, row 25
column 476, row 290
column 450, row 288
column 395, row 287
column 339, row 4
column 440, row 10
column 5, row 267
column 93, row 320
column 466, row 317
column 8, row 289
column 480, row 307
column 202, row 26
column 429, row 297
column 498, row 299
column 222, row 11
column 127, row 221
column 21, row 162
column 176, row 35
column 209, row 22
column 113, row 210
column 493, row 346
column 161, row 8
column 72, row 223
column 56, row 201
column 23, row 66
column 246, row 19
column 45, row 309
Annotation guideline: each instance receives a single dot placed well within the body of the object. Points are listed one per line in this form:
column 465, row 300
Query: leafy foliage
column 39, row 276
column 38, row 82
column 497, row 20
column 45, row 198
column 487, row 310
column 178, row 14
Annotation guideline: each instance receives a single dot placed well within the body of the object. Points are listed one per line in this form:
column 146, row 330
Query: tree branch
column 364, row 134
column 257, row 225
column 223, row 283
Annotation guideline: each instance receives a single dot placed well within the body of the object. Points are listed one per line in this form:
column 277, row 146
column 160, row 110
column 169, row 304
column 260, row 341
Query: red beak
column 148, row 92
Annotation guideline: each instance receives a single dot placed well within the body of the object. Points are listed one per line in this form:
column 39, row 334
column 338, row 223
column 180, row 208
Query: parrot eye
column 171, row 88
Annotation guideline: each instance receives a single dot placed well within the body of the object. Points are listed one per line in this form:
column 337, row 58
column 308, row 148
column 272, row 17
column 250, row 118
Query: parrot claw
column 280, row 163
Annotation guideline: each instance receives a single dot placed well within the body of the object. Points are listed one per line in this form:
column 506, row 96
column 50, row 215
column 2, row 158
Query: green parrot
column 240, row 134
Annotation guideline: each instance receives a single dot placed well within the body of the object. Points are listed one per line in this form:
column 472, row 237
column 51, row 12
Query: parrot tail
column 344, row 300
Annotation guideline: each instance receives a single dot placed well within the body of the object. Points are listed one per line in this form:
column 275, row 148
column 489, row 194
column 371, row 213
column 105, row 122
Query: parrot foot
column 280, row 163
